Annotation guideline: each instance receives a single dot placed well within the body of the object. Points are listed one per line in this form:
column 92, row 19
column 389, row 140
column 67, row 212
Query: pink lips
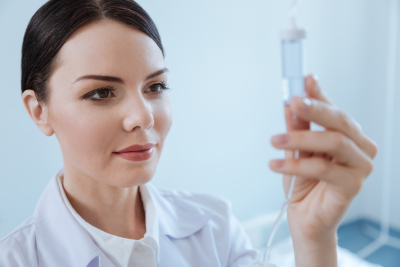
column 136, row 152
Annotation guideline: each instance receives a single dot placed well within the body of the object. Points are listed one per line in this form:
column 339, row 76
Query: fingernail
column 306, row 104
column 280, row 139
column 277, row 163
column 309, row 80
column 313, row 82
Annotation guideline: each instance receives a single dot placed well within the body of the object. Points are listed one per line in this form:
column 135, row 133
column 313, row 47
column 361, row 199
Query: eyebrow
column 117, row 79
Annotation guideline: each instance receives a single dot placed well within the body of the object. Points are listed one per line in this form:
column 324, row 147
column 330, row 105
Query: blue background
column 225, row 75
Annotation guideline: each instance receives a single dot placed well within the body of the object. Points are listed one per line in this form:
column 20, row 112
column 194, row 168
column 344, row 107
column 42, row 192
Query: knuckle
column 357, row 185
column 344, row 120
column 369, row 167
column 369, row 147
column 338, row 141
column 358, row 126
column 374, row 149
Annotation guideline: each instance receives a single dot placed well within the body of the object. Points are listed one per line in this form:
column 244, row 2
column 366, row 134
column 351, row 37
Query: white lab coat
column 194, row 230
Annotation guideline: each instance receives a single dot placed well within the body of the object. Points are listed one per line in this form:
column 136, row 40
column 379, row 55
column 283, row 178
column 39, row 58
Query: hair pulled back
column 57, row 20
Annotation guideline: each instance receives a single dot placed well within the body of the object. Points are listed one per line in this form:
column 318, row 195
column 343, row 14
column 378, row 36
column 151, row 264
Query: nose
column 139, row 114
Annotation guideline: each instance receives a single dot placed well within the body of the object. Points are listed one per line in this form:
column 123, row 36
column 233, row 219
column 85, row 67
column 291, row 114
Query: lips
column 136, row 148
column 136, row 152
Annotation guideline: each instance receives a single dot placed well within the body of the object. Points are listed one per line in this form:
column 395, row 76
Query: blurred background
column 225, row 75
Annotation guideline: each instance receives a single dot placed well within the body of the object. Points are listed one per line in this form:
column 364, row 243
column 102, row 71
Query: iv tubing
column 278, row 220
column 267, row 253
column 294, row 8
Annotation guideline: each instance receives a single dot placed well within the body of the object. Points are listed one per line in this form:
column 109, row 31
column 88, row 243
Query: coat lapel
column 61, row 241
column 177, row 220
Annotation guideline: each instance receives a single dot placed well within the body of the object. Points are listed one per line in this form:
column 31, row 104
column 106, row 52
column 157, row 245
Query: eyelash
column 111, row 89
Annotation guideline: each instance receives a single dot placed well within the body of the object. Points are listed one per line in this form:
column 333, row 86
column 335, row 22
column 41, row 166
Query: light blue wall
column 377, row 44
column 28, row 158
column 224, row 58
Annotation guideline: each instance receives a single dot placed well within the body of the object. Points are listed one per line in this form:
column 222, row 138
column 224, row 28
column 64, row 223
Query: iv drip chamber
column 292, row 43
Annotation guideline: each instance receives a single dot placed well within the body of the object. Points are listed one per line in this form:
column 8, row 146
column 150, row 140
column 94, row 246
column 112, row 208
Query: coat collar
column 178, row 218
column 61, row 239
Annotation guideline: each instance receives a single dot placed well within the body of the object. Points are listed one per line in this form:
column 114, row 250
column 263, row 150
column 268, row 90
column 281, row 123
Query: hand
column 329, row 172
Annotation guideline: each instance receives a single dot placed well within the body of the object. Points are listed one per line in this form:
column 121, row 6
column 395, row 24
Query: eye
column 100, row 94
column 157, row 88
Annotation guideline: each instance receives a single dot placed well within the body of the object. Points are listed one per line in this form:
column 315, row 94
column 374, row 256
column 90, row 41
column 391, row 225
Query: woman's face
column 133, row 107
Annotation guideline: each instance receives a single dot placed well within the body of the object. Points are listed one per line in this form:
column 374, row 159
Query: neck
column 115, row 210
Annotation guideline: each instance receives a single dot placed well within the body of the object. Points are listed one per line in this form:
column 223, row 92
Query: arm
column 315, row 253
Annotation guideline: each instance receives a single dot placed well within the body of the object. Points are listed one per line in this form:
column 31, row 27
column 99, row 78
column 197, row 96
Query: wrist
column 315, row 252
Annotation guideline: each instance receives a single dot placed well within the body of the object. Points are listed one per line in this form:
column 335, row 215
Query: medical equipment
column 292, row 62
column 292, row 40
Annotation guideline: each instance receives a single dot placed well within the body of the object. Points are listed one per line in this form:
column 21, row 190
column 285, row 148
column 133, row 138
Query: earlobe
column 37, row 112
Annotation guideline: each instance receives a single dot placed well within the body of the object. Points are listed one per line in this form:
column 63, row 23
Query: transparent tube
column 283, row 209
column 292, row 69
column 293, row 85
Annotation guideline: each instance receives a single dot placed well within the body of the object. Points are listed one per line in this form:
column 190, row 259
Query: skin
column 103, row 188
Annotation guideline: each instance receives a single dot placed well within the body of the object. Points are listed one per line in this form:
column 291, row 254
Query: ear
column 38, row 113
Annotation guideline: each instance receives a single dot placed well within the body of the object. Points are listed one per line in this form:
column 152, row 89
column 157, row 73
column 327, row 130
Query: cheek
column 85, row 135
column 163, row 118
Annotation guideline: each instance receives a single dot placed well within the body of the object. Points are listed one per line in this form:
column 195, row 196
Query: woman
column 93, row 74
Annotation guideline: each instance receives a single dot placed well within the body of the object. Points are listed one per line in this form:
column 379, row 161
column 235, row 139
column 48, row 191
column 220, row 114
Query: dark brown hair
column 57, row 20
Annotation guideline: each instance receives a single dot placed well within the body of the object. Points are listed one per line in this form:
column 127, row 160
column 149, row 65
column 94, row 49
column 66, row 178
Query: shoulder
column 17, row 248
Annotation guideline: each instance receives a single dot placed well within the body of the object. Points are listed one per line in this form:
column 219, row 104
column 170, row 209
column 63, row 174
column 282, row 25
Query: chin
column 130, row 180
column 128, row 175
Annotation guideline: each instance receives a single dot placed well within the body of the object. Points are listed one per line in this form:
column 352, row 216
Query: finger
column 313, row 90
column 293, row 122
column 290, row 154
column 333, row 143
column 322, row 155
column 318, row 168
column 331, row 117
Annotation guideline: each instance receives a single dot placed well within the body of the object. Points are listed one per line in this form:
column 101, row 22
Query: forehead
column 108, row 48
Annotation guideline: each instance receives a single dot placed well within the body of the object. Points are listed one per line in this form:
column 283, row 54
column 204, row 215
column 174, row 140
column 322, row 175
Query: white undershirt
column 125, row 252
